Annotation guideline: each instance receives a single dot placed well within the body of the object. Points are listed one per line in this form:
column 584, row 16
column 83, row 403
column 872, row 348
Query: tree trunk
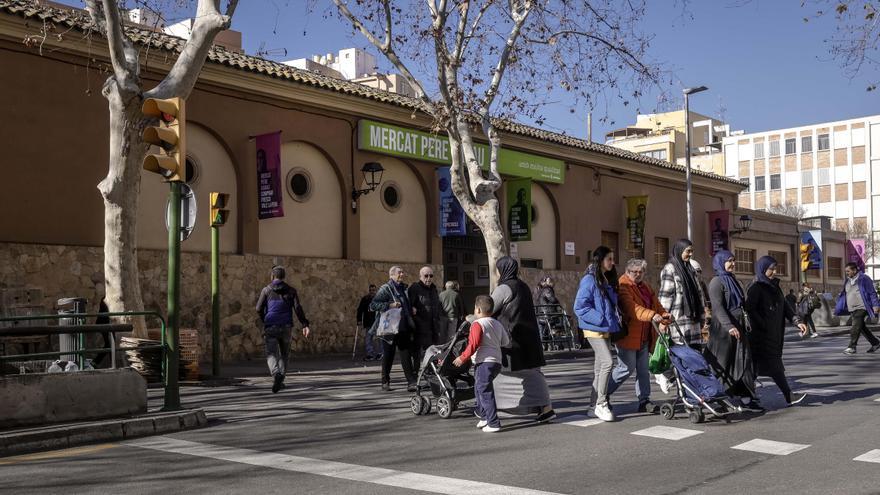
column 488, row 218
column 120, row 190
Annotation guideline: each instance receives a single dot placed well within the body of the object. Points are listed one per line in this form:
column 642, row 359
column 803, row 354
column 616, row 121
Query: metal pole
column 215, row 301
column 172, row 332
column 687, row 164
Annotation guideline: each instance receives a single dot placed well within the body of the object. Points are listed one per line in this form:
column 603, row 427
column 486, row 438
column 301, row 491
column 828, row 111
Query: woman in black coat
column 521, row 387
column 729, row 351
column 767, row 311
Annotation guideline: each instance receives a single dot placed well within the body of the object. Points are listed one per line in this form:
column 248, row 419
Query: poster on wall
column 813, row 238
column 269, row 175
column 719, row 230
column 855, row 252
column 453, row 221
column 519, row 213
column 636, row 216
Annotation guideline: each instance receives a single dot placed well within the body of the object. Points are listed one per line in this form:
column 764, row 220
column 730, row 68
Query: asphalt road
column 333, row 432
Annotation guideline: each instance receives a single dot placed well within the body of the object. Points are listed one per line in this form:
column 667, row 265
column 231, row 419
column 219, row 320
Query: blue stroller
column 699, row 391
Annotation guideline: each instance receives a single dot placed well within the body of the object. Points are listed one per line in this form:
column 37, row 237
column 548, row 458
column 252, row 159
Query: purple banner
column 269, row 175
column 855, row 252
column 719, row 231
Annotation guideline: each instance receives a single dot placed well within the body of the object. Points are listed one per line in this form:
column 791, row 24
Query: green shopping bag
column 659, row 361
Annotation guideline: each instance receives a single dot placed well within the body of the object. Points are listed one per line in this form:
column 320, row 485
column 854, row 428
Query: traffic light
column 169, row 135
column 218, row 214
column 805, row 256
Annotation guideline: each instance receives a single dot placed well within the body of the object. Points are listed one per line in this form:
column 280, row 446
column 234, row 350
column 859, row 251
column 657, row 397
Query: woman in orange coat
column 639, row 307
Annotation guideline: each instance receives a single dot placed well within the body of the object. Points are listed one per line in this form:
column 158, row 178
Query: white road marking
column 770, row 447
column 823, row 392
column 332, row 469
column 667, row 432
column 581, row 420
column 871, row 456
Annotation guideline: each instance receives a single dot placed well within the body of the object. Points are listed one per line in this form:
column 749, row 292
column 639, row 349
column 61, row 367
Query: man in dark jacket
column 426, row 302
column 392, row 295
column 276, row 306
column 365, row 319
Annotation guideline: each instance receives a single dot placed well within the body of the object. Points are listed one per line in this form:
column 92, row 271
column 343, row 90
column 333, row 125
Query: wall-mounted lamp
column 743, row 224
column 372, row 172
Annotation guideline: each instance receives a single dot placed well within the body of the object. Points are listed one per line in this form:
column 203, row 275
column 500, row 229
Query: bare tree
column 493, row 61
column 788, row 209
column 125, row 94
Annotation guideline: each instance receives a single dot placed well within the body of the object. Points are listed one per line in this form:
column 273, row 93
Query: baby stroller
column 698, row 388
column 448, row 385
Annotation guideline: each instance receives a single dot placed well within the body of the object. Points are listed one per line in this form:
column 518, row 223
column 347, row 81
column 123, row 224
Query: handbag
column 389, row 322
column 659, row 361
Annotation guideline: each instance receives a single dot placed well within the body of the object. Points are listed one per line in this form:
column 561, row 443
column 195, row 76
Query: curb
column 74, row 435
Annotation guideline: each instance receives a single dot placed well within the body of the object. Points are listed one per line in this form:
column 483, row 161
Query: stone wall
column 330, row 290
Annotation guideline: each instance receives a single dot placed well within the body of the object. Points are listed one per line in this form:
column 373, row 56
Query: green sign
column 410, row 143
column 519, row 209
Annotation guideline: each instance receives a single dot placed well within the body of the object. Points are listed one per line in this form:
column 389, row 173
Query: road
column 333, row 432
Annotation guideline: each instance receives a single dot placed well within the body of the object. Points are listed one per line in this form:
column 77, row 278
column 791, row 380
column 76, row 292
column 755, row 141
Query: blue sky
column 760, row 60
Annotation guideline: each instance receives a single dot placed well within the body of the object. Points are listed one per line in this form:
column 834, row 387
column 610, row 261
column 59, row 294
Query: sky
column 765, row 67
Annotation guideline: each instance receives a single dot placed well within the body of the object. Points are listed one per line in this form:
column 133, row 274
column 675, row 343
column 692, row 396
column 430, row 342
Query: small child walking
column 486, row 338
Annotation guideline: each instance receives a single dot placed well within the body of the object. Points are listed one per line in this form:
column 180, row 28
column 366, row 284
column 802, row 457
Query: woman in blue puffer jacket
column 598, row 318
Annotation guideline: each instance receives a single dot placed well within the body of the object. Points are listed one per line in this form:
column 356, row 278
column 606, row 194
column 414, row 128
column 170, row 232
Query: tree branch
column 108, row 20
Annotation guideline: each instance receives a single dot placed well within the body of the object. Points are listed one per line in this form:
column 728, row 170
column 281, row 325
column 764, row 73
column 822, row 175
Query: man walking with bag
column 276, row 306
column 858, row 299
column 807, row 302
column 392, row 295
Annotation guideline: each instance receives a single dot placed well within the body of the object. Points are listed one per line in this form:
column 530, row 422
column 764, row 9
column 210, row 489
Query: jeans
column 808, row 321
column 409, row 360
column 602, row 366
column 627, row 362
column 859, row 327
column 369, row 336
column 484, row 392
column 277, row 340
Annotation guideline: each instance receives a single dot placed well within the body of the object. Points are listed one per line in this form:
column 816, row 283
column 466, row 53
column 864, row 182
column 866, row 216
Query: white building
column 831, row 169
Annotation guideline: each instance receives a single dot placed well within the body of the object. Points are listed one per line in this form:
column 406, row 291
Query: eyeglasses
column 636, row 271
column 428, row 275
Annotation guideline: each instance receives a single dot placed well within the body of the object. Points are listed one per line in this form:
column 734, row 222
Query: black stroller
column 698, row 388
column 448, row 385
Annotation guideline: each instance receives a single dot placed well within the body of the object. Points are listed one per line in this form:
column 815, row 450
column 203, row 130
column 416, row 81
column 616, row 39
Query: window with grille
column 774, row 148
column 781, row 262
column 835, row 267
column 745, row 261
column 661, row 252
column 775, row 182
column 824, row 142
column 806, row 144
column 658, row 154
column 806, row 178
column 760, row 183
column 824, row 176
column 759, row 150
column 790, row 146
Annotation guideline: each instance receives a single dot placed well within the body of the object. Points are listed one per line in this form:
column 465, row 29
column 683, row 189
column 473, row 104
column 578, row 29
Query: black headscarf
column 508, row 269
column 693, row 306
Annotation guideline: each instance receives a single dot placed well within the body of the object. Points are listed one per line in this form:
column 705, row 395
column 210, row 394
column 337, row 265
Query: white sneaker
column 482, row 423
column 663, row 382
column 603, row 412
column 491, row 429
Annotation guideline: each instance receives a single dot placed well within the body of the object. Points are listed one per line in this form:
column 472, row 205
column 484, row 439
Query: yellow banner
column 636, row 215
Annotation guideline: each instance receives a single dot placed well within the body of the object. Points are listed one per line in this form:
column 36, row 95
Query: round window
column 391, row 196
column 192, row 170
column 299, row 184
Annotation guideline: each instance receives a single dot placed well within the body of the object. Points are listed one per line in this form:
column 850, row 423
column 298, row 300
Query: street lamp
column 372, row 172
column 743, row 224
column 687, row 155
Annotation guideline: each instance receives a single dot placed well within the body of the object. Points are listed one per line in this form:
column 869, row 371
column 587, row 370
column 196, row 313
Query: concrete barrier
column 45, row 398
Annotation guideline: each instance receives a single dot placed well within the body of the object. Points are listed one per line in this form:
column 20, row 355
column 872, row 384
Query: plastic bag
column 389, row 323
column 659, row 361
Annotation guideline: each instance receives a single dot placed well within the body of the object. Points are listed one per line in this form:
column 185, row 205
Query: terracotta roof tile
column 79, row 19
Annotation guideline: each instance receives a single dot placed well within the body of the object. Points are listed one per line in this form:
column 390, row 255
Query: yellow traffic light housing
column 806, row 249
column 169, row 135
column 219, row 215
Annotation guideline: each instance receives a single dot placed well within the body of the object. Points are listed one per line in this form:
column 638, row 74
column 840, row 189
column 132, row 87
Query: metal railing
column 172, row 399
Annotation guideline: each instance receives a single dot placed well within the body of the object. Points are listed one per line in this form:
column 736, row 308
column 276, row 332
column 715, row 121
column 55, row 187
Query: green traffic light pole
column 215, row 300
column 172, row 336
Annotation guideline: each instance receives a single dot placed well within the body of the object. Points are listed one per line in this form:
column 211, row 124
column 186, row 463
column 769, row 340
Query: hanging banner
column 453, row 221
column 855, row 252
column 813, row 238
column 636, row 215
column 410, row 143
column 269, row 175
column 519, row 212
column 719, row 231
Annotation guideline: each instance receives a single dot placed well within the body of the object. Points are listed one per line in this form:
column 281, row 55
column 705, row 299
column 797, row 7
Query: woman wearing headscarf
column 767, row 311
column 521, row 387
column 681, row 295
column 728, row 351
column 598, row 318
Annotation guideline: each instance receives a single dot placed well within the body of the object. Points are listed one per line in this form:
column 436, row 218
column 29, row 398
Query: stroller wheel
column 415, row 404
column 445, row 407
column 696, row 416
column 667, row 411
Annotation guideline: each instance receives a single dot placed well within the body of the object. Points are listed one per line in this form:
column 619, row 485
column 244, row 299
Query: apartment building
column 826, row 168
column 661, row 136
